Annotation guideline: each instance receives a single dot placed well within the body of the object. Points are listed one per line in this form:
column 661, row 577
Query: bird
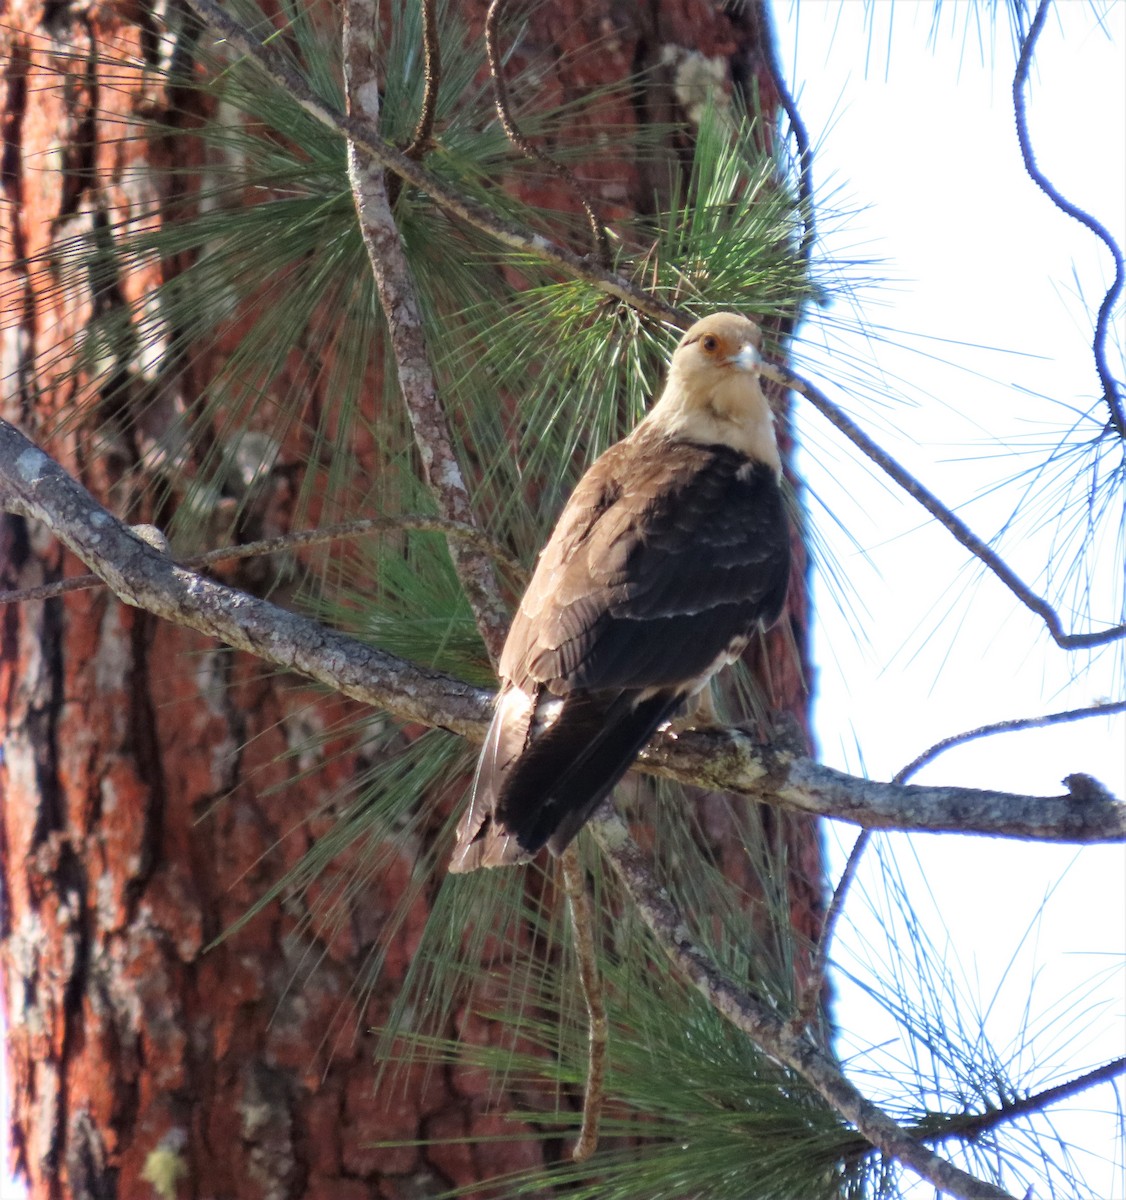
column 673, row 549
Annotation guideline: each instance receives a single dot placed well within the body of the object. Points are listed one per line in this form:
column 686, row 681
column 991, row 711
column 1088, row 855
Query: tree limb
column 955, row 525
column 766, row 1028
column 599, row 242
column 35, row 486
column 972, row 1125
column 404, row 323
column 365, row 136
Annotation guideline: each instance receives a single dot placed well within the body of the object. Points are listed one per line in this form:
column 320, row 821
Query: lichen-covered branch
column 766, row 1028
column 35, row 486
column 401, row 310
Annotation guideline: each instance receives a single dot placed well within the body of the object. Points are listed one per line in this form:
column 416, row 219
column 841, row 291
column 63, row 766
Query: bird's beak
column 748, row 358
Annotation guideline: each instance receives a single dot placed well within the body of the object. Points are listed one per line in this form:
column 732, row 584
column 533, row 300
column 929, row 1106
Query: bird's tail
column 532, row 792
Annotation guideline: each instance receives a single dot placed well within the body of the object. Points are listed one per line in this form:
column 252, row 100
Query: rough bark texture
column 141, row 774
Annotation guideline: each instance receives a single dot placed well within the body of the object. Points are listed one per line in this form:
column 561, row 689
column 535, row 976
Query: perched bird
column 671, row 551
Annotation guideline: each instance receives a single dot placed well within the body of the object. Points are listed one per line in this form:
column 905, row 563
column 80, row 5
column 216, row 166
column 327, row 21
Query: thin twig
column 292, row 541
column 364, row 136
column 36, row 487
column 969, row 1125
column 1020, row 78
column 582, row 924
column 801, row 139
column 600, row 243
column 423, row 137
column 398, row 298
column 955, row 525
column 765, row 1027
column 811, row 992
column 1011, row 726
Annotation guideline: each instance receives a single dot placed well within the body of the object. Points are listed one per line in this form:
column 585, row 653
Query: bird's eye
column 710, row 344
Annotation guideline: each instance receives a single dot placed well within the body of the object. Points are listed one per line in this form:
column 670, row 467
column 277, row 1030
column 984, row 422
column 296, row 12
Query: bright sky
column 915, row 141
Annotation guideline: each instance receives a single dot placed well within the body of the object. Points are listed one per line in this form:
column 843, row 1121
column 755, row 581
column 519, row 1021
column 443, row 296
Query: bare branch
column 600, row 244
column 1011, row 726
column 960, row 530
column 730, row 760
column 1111, row 392
column 1078, row 790
column 404, row 323
column 801, row 140
column 765, row 1027
column 582, row 924
column 293, row 541
column 971, row 1125
column 811, row 992
column 423, row 137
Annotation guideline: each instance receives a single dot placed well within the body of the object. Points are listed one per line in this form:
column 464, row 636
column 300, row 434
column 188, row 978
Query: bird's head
column 713, row 395
column 716, row 349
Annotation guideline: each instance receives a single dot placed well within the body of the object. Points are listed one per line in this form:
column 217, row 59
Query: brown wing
column 666, row 555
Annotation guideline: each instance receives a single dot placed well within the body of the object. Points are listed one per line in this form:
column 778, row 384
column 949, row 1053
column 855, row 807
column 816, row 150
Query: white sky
column 915, row 140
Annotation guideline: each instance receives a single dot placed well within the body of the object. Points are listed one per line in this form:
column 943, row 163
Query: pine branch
column 423, row 137
column 404, row 322
column 955, row 525
column 364, row 136
column 972, row 1125
column 766, row 1028
column 582, row 924
column 35, row 486
column 1014, row 725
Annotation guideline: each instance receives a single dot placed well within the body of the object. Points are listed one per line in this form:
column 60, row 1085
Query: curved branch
column 1111, row 393
column 35, row 486
column 766, row 1028
column 955, row 525
column 599, row 241
column 1011, row 726
column 423, row 137
column 805, row 149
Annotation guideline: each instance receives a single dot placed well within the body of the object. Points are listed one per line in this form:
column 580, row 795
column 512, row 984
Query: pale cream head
column 713, row 395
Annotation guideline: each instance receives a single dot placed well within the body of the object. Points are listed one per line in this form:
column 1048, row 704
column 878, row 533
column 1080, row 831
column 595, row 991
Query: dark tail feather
column 566, row 773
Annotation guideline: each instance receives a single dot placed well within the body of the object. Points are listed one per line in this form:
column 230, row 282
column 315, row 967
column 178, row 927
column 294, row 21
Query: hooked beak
column 748, row 358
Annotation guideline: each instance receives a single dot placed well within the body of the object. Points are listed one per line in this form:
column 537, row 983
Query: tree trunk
column 147, row 801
